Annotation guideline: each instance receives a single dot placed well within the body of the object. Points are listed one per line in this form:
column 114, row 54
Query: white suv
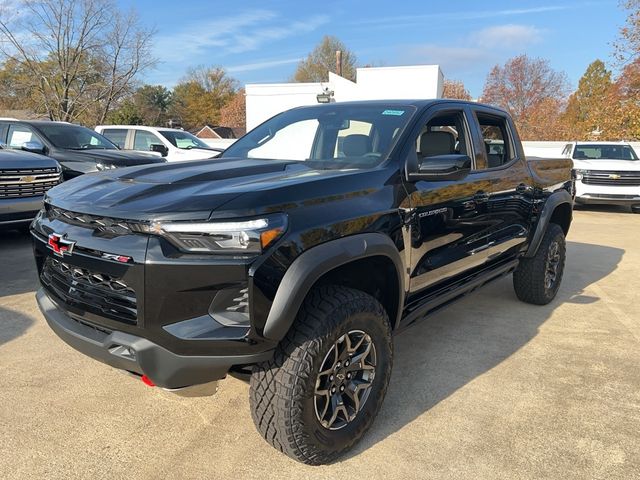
column 606, row 173
column 172, row 143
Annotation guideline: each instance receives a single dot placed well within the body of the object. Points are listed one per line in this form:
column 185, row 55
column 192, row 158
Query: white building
column 378, row 83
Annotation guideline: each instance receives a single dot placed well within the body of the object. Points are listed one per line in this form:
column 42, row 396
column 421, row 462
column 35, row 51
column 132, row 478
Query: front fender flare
column 307, row 269
column 555, row 199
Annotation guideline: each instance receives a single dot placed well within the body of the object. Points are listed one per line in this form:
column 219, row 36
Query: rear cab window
column 498, row 145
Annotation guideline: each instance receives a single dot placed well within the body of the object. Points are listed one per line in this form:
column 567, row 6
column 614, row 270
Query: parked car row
column 38, row 155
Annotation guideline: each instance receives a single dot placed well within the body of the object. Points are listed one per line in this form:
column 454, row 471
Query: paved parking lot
column 488, row 388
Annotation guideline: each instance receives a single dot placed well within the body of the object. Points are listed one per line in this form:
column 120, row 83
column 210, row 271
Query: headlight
column 580, row 174
column 236, row 237
column 104, row 166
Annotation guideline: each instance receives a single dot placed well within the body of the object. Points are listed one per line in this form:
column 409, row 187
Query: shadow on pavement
column 17, row 267
column 448, row 350
column 12, row 325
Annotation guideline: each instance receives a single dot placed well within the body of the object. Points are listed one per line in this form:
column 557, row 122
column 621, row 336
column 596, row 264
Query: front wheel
column 322, row 390
column 537, row 279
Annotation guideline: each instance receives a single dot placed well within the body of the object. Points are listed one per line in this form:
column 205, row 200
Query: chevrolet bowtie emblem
column 614, row 176
column 27, row 179
column 60, row 245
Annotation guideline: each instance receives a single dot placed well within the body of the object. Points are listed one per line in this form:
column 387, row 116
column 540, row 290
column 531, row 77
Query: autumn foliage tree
column 200, row 96
column 322, row 60
column 530, row 90
column 455, row 89
column 587, row 106
column 234, row 113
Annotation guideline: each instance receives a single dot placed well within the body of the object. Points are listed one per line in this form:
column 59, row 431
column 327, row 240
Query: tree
column 199, row 97
column 153, row 102
column 627, row 47
column 523, row 86
column 127, row 114
column 586, row 107
column 82, row 56
column 234, row 113
column 455, row 89
column 322, row 60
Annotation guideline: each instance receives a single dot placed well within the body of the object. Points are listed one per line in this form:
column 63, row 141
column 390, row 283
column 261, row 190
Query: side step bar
column 441, row 299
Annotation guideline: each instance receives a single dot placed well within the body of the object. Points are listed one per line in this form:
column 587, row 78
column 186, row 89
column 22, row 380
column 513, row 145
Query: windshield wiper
column 211, row 149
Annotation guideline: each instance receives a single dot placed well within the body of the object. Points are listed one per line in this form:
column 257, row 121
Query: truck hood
column 182, row 190
column 608, row 165
column 119, row 158
column 20, row 160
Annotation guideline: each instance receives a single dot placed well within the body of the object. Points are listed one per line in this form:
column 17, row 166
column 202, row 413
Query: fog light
column 230, row 307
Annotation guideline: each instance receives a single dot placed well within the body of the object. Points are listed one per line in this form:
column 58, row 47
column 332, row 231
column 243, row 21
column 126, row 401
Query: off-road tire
column 530, row 277
column 282, row 390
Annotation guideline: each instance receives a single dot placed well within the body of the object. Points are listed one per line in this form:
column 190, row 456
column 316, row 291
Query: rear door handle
column 481, row 197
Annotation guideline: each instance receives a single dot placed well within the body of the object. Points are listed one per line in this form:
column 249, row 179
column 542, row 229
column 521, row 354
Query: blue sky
column 263, row 41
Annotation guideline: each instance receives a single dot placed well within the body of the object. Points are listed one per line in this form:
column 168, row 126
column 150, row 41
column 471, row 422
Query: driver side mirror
column 33, row 147
column 442, row 167
column 159, row 148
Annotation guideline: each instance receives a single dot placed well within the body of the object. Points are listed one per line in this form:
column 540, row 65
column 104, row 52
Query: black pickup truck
column 296, row 255
column 78, row 149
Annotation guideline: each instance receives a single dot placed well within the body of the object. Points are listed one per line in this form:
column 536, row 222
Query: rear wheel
column 635, row 208
column 328, row 378
column 537, row 279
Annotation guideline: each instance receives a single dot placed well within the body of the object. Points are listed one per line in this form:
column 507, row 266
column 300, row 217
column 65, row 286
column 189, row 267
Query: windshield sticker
column 396, row 113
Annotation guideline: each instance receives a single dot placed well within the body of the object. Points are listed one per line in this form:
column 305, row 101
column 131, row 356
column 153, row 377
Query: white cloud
column 411, row 20
column 507, row 36
column 261, row 65
column 233, row 34
column 477, row 50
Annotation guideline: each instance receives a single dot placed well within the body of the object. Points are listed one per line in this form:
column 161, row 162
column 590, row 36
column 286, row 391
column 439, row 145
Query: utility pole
column 339, row 62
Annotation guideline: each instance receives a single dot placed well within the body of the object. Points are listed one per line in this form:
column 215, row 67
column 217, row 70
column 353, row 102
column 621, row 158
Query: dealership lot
column 488, row 388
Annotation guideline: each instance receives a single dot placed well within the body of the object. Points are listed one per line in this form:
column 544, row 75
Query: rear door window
column 144, row 140
column 116, row 135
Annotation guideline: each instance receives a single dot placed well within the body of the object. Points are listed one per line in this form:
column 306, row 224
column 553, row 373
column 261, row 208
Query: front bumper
column 139, row 355
column 607, row 194
column 19, row 211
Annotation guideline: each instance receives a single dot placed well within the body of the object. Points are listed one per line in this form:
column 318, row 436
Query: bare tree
column 82, row 56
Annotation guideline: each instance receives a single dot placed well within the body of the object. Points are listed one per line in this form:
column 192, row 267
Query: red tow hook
column 147, row 381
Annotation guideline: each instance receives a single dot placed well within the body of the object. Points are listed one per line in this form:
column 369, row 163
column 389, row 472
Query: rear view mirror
column 159, row 148
column 33, row 146
column 442, row 167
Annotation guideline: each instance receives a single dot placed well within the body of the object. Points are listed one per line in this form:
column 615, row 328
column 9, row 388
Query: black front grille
column 622, row 179
column 94, row 222
column 94, row 292
column 27, row 182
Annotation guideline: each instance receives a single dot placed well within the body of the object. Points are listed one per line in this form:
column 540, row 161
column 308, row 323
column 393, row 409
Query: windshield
column 328, row 136
column 75, row 137
column 608, row 152
column 183, row 140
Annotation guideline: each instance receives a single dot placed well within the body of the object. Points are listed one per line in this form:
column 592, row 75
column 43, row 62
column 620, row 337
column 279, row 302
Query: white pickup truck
column 172, row 143
column 606, row 173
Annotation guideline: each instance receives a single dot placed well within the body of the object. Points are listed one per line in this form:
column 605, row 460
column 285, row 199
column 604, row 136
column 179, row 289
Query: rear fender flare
column 552, row 202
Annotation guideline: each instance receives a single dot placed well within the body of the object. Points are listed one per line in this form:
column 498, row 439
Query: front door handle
column 481, row 197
